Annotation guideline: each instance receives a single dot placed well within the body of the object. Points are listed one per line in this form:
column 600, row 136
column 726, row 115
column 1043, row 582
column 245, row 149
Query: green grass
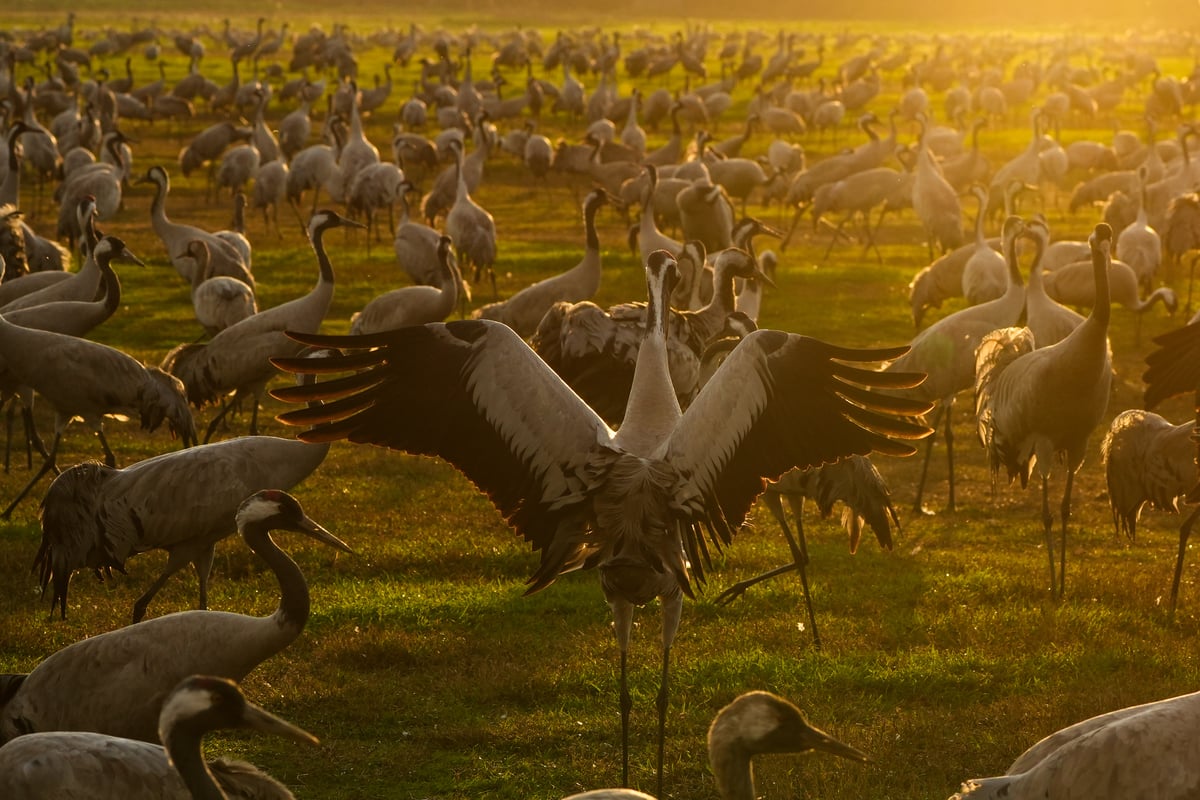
column 427, row 673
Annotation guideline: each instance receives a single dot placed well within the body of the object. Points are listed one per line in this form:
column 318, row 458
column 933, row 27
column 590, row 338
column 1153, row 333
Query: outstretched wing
column 782, row 400
column 471, row 392
column 1174, row 368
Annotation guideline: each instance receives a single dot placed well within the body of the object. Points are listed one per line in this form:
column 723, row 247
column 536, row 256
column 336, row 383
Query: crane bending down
column 1150, row 750
column 62, row 765
column 115, row 683
column 1149, row 460
column 1174, row 368
column 95, row 517
column 1034, row 407
column 637, row 503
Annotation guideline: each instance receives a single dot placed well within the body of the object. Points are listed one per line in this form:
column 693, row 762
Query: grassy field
column 427, row 674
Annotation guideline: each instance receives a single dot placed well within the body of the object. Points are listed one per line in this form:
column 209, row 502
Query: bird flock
column 631, row 440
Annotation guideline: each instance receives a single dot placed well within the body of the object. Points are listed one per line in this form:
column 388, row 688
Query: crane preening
column 640, row 504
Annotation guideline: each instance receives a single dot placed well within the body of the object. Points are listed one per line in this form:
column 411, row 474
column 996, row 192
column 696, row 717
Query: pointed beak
column 125, row 255
column 310, row 528
column 819, row 740
column 262, row 720
column 764, row 277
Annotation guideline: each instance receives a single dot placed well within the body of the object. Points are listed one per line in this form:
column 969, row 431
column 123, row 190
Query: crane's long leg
column 937, row 420
column 203, row 564
column 799, row 547
column 738, row 589
column 109, row 458
column 1062, row 550
column 177, row 559
column 622, row 626
column 220, row 415
column 948, row 423
column 672, row 607
column 47, row 465
column 1185, row 531
column 1047, row 528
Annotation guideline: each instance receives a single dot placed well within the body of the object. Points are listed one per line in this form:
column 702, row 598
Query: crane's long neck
column 653, row 409
column 589, row 227
column 1102, row 311
column 322, row 258
column 184, row 748
column 293, row 589
column 158, row 208
column 112, row 287
column 733, row 772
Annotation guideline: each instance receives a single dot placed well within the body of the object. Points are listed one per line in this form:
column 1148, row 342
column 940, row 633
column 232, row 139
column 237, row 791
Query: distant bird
column 237, row 358
column 1046, row 318
column 89, row 686
column 416, row 244
column 1148, row 750
column 224, row 258
column 524, row 310
column 755, row 723
column 936, row 203
column 471, row 228
column 1181, row 234
column 945, row 351
column 628, row 502
column 853, row 481
column 1039, row 407
column 985, row 275
column 414, row 305
column 218, row 300
column 1139, row 245
column 70, row 764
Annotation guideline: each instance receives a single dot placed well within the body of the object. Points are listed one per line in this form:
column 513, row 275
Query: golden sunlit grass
column 425, row 671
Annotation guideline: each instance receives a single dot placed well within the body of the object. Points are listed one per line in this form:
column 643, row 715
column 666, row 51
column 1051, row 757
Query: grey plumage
column 88, row 766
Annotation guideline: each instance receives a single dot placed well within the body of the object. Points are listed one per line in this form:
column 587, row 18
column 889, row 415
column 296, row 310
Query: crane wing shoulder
column 471, row 392
column 783, row 400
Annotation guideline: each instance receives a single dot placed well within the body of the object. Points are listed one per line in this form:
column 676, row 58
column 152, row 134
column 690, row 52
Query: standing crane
column 634, row 503
column 1039, row 406
column 89, row 685
column 61, row 765
column 755, row 723
column 1148, row 750
column 237, row 358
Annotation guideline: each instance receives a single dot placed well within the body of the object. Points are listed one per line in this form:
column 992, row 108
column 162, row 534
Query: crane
column 755, row 723
column 69, row 764
column 1035, row 407
column 91, row 685
column 1174, row 368
column 1148, row 750
column 633, row 503
column 95, row 517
